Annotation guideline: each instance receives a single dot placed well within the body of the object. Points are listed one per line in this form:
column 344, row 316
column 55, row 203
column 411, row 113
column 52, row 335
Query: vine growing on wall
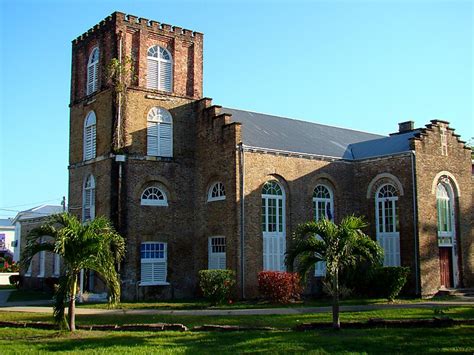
column 120, row 74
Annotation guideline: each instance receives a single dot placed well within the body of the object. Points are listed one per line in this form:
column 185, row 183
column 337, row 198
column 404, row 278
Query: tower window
column 93, row 71
column 90, row 136
column 159, row 133
column 160, row 69
column 88, row 199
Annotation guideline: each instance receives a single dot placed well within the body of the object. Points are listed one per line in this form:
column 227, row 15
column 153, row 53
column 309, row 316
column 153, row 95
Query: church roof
column 280, row 133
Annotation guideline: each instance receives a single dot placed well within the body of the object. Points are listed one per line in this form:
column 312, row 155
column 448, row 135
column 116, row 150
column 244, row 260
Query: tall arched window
column 273, row 226
column 93, row 71
column 323, row 208
column 160, row 69
column 88, row 199
column 159, row 133
column 388, row 234
column 90, row 136
column 446, row 234
column 445, row 212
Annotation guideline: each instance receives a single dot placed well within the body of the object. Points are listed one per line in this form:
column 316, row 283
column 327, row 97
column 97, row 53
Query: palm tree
column 339, row 246
column 94, row 245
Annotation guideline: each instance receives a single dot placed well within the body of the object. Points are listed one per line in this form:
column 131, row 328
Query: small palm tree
column 94, row 245
column 339, row 246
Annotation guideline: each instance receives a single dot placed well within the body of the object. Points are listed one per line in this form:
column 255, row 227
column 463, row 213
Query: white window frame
column 41, row 260
column 445, row 196
column 159, row 132
column 30, row 268
column 92, row 83
column 90, row 136
column 274, row 241
column 88, row 195
column 56, row 265
column 154, row 190
column 159, row 69
column 320, row 266
column 216, row 192
column 154, row 262
column 388, row 234
column 217, row 249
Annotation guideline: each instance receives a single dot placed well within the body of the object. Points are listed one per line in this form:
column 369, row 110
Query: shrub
column 280, row 286
column 16, row 280
column 389, row 281
column 216, row 285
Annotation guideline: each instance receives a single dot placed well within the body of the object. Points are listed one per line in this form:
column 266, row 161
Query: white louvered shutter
column 95, row 82
column 159, row 271
column 152, row 74
column 152, row 136
column 165, row 76
column 90, row 79
column 165, row 140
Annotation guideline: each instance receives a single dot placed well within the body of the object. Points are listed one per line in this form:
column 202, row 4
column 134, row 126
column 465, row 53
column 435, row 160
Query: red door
column 446, row 265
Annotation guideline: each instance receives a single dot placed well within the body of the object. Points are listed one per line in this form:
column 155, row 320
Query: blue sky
column 365, row 65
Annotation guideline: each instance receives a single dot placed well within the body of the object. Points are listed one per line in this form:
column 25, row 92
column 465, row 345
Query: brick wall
column 429, row 164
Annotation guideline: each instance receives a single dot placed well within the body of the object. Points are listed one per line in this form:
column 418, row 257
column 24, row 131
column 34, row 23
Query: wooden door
column 446, row 266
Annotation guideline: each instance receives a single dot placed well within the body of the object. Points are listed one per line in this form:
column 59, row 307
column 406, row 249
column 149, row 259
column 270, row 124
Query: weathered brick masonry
column 209, row 146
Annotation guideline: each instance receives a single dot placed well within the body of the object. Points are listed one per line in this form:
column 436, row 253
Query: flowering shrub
column 216, row 285
column 280, row 286
column 7, row 265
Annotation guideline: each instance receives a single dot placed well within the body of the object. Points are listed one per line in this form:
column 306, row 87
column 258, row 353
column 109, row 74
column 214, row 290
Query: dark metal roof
column 280, row 133
column 384, row 146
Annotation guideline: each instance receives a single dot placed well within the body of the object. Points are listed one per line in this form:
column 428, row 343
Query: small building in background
column 7, row 236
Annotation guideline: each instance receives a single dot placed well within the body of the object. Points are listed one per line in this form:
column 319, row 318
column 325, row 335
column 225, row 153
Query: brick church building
column 192, row 185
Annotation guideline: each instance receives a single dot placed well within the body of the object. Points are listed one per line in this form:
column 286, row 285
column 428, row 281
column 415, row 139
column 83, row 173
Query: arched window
column 445, row 212
column 154, row 196
column 216, row 192
column 88, row 199
column 388, row 235
column 323, row 208
column 159, row 133
column 93, row 71
column 323, row 204
column 273, row 226
column 90, row 136
column 160, row 69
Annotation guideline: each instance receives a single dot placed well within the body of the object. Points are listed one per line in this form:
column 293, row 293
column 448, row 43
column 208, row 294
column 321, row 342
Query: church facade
column 192, row 185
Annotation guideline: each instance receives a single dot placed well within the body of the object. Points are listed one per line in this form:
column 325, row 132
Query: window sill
column 40, row 276
column 154, row 283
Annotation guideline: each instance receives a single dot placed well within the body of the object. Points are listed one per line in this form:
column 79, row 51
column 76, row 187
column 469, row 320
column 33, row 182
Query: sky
column 364, row 65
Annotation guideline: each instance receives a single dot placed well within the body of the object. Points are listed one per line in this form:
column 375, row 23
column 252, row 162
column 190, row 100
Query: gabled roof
column 38, row 212
column 280, row 133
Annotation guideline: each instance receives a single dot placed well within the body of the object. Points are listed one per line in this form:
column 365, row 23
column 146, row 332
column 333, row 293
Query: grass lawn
column 7, row 287
column 415, row 340
column 276, row 321
column 281, row 340
column 203, row 304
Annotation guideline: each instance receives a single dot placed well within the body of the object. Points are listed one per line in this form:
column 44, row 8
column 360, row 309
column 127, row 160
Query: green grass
column 28, row 295
column 276, row 321
column 416, row 340
column 282, row 340
column 7, row 287
column 203, row 304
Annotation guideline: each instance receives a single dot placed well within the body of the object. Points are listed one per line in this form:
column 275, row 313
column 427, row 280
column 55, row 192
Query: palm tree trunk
column 72, row 305
column 336, row 324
